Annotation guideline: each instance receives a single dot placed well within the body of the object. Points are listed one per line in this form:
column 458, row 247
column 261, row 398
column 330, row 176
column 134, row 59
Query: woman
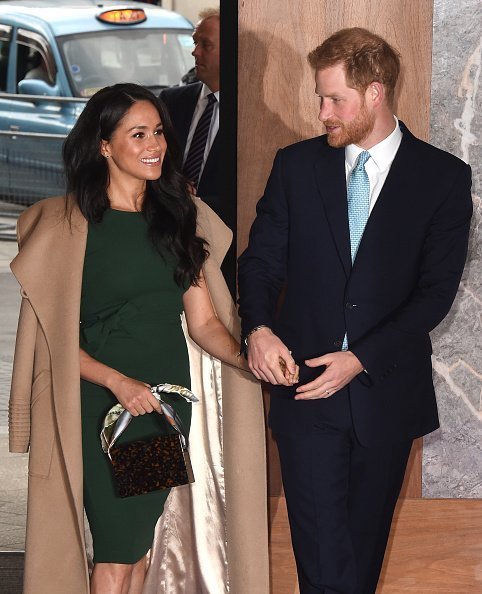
column 134, row 262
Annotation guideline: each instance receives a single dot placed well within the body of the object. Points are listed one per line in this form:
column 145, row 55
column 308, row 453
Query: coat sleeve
column 21, row 389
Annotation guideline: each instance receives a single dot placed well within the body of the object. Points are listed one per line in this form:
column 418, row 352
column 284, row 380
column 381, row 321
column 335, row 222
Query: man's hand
column 270, row 360
column 341, row 368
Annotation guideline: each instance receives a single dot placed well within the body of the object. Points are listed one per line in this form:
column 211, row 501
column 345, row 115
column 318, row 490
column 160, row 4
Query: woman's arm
column 134, row 395
column 207, row 330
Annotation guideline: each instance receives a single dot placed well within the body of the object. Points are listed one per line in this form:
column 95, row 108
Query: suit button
column 350, row 305
column 338, row 343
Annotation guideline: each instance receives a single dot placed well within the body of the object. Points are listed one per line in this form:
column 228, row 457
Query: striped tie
column 195, row 156
column 358, row 193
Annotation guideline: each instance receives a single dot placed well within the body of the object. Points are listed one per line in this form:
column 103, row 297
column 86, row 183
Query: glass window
column 152, row 58
column 5, row 33
column 34, row 58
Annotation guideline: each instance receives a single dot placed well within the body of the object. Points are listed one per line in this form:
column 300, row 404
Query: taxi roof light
column 123, row 16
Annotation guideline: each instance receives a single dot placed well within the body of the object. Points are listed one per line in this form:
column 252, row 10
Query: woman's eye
column 138, row 135
column 159, row 132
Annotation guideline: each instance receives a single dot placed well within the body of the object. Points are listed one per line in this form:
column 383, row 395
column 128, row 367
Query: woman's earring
column 106, row 156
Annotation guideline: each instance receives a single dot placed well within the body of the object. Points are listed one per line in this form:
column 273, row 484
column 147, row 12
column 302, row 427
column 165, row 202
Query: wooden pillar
column 277, row 104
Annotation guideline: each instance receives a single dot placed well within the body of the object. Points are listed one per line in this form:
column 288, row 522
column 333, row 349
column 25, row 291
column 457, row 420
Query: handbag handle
column 118, row 418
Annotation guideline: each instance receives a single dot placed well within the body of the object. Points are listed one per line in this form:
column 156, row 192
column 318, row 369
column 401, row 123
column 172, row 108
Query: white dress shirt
column 213, row 130
column 378, row 166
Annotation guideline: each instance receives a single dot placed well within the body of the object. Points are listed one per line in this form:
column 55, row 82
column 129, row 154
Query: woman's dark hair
column 167, row 206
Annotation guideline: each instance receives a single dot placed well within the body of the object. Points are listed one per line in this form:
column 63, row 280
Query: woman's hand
column 135, row 396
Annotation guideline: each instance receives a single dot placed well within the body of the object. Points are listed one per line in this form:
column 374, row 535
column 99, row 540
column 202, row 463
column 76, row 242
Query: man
column 38, row 70
column 358, row 307
column 187, row 104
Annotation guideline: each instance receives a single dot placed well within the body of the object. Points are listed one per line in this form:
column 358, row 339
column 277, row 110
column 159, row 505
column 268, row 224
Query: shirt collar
column 382, row 154
column 205, row 91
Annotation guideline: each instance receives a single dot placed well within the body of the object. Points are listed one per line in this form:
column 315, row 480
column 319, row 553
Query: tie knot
column 362, row 159
column 211, row 98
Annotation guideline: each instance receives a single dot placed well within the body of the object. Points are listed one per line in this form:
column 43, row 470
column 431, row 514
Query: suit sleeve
column 440, row 270
column 262, row 267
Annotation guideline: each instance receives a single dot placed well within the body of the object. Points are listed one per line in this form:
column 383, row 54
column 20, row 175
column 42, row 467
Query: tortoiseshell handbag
column 153, row 463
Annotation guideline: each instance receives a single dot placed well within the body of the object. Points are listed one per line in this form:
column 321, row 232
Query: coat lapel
column 49, row 269
column 331, row 180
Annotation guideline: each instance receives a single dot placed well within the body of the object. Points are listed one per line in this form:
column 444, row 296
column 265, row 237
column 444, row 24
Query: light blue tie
column 358, row 193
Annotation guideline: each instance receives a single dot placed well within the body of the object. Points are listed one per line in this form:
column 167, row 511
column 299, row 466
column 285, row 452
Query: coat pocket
column 42, row 426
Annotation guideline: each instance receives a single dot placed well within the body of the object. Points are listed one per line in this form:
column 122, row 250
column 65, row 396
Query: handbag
column 153, row 463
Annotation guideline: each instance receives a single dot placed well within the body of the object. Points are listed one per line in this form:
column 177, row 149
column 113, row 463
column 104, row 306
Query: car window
column 152, row 58
column 5, row 34
column 34, row 58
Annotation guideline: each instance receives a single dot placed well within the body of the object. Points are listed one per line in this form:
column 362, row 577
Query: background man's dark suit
column 402, row 284
column 181, row 103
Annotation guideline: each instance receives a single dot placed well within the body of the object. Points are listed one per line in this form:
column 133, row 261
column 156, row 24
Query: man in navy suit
column 356, row 313
column 186, row 105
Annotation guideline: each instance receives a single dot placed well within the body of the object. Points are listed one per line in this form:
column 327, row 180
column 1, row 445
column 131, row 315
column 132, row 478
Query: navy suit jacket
column 401, row 285
column 181, row 103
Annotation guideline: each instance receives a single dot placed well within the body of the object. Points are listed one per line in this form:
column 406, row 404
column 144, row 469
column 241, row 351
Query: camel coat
column 44, row 417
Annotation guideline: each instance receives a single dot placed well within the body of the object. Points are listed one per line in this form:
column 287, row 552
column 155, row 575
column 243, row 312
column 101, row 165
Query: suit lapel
column 331, row 181
column 392, row 190
column 183, row 123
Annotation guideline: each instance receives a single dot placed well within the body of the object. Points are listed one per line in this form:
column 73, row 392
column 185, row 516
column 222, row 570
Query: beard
column 353, row 132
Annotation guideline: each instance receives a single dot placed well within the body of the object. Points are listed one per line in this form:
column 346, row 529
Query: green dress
column 130, row 320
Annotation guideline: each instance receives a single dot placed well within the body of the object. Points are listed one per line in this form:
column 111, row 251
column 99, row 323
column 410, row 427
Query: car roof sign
column 122, row 16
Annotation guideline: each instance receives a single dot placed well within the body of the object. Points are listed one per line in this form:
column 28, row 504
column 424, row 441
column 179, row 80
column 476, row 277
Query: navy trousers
column 340, row 495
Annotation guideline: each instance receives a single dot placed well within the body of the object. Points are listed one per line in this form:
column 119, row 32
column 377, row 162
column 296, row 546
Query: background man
column 194, row 110
column 366, row 228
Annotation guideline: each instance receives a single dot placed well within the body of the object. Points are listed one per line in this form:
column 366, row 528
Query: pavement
column 13, row 467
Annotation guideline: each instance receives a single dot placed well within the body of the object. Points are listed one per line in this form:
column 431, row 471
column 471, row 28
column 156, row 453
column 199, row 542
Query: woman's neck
column 130, row 198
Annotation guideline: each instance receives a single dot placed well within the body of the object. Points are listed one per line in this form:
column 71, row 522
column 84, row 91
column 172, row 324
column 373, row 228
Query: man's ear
column 375, row 93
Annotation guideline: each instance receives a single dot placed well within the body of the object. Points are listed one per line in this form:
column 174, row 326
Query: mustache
column 332, row 123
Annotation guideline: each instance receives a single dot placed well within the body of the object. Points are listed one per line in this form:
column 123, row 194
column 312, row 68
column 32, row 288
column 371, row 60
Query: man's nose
column 325, row 111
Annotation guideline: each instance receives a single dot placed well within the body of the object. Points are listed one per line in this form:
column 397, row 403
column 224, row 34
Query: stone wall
column 452, row 455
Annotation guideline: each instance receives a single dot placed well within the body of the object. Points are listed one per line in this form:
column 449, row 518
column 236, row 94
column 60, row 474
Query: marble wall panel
column 452, row 456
